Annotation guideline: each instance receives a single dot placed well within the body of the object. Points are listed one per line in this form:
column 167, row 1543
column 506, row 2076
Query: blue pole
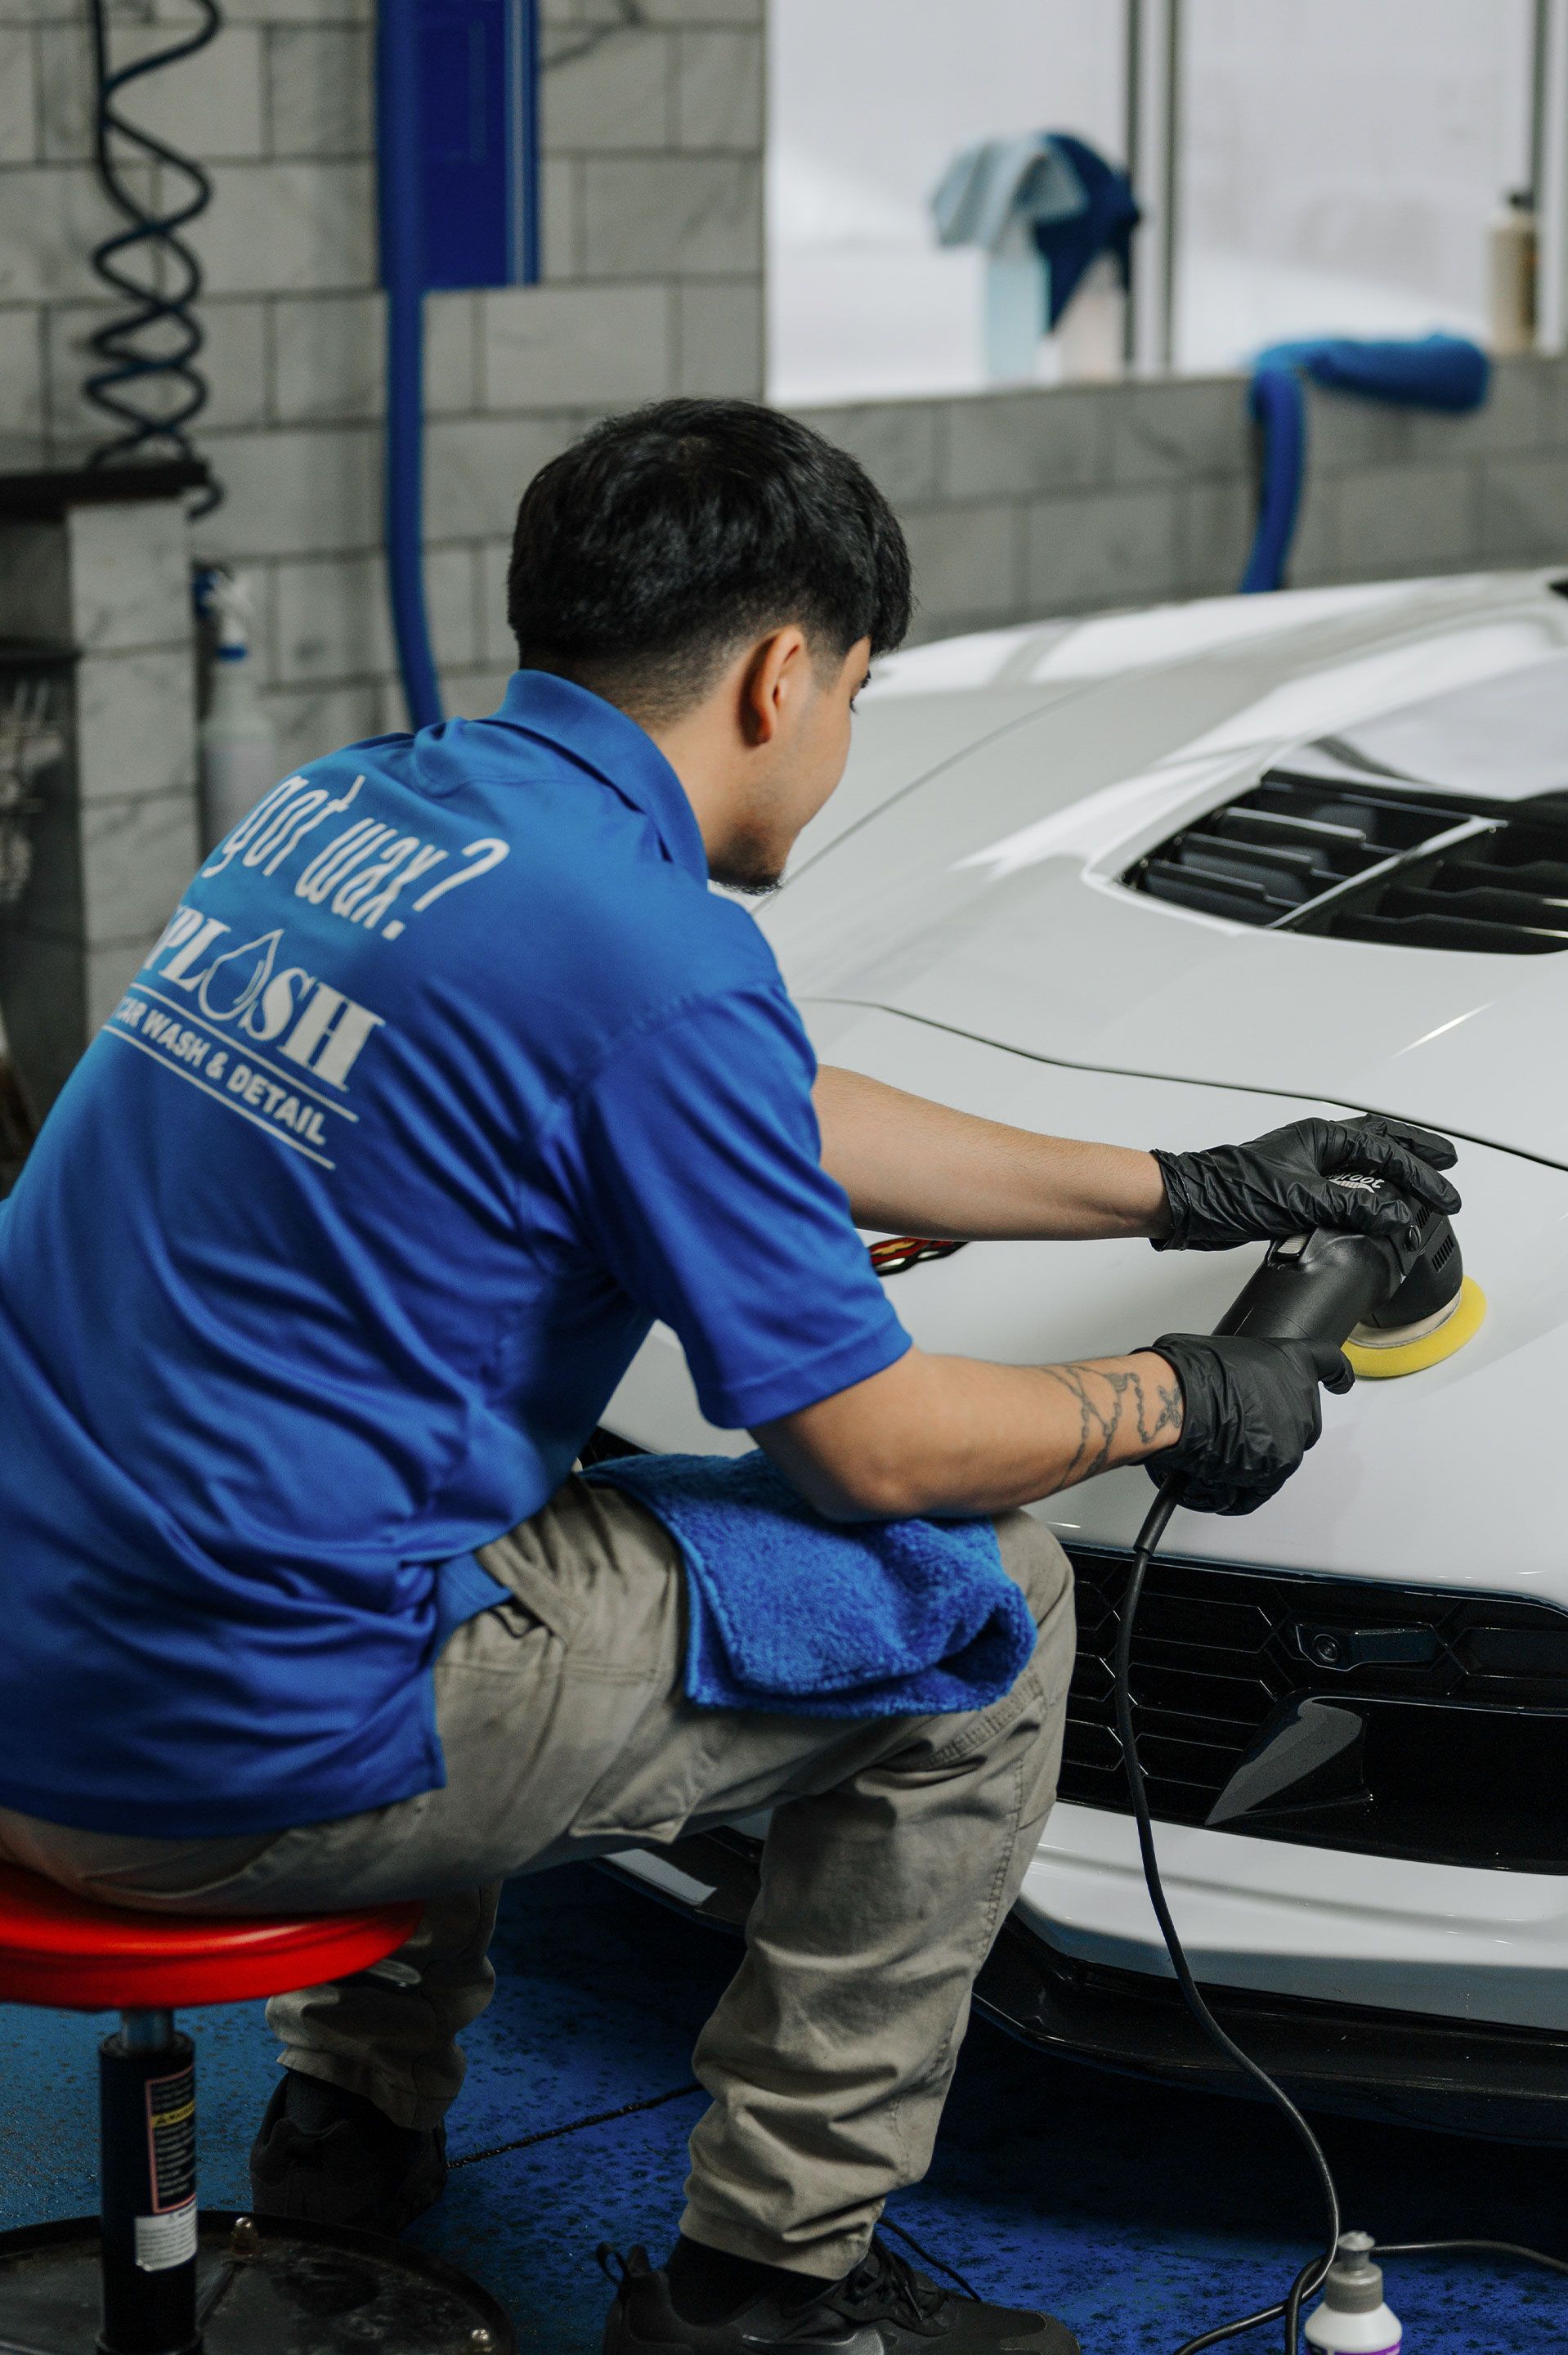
column 527, row 162
column 402, row 269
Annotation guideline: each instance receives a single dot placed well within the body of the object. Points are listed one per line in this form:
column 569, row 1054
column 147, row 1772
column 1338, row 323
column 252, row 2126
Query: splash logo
column 314, row 1024
column 198, row 1002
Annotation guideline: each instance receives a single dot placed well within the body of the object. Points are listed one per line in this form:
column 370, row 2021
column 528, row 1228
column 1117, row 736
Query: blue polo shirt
column 447, row 1077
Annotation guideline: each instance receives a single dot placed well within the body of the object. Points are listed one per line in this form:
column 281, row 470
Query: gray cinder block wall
column 652, row 129
column 1024, row 504
column 1019, row 505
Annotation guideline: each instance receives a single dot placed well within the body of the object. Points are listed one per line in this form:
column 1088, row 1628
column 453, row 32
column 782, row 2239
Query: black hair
column 664, row 541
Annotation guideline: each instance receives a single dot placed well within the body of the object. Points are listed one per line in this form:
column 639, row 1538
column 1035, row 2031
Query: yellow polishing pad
column 1376, row 1360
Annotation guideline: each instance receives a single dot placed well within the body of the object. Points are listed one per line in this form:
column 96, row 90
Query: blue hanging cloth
column 1075, row 206
column 1446, row 372
column 1069, row 243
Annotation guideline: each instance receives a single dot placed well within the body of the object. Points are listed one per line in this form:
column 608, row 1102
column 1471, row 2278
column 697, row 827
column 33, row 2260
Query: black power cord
column 156, row 341
column 1311, row 2276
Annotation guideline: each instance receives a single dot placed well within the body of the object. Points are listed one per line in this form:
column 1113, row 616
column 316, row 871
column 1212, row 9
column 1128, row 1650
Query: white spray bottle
column 236, row 741
column 1352, row 2318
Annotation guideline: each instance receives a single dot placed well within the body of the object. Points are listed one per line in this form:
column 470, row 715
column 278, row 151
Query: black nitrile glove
column 1279, row 1183
column 1250, row 1412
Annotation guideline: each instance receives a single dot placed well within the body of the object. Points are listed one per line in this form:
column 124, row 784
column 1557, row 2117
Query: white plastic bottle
column 236, row 743
column 1512, row 265
column 1352, row 2318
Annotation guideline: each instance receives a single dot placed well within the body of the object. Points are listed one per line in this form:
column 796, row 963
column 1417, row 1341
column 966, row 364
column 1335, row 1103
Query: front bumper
column 1456, row 1942
column 1507, row 2085
column 1417, row 1993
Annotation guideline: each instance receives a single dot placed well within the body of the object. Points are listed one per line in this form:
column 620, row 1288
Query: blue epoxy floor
column 1139, row 2215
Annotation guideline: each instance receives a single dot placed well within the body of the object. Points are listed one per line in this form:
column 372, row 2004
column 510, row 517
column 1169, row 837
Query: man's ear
column 772, row 682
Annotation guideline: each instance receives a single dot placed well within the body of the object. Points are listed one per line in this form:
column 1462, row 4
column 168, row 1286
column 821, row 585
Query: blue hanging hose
column 403, row 270
column 1446, row 372
column 1280, row 409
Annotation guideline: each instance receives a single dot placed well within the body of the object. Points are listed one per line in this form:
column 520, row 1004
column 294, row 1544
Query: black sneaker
column 333, row 2158
column 882, row 2308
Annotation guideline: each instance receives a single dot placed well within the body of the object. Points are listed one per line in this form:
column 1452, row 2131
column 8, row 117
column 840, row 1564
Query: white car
column 1174, row 877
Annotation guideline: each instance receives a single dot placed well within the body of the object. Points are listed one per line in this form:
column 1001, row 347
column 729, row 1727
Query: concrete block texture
column 1315, row 551
column 209, row 103
column 130, row 576
column 452, row 595
column 135, row 725
column 551, row 346
column 136, row 859
column 1412, row 519
column 719, row 83
column 705, row 12
column 50, row 221
column 476, row 469
column 19, row 124
column 1344, row 432
column 1215, row 527
column 473, row 694
column 719, row 338
column 330, row 618
column 560, row 215
column 311, row 721
column 967, row 561
column 22, row 410
column 897, row 442
column 1524, row 511
column 1111, row 548
column 288, row 228
column 330, row 357
column 1174, row 432
column 604, row 88
column 1549, row 376
column 1017, row 442
column 295, row 491
column 320, row 91
column 289, row 11
column 681, row 216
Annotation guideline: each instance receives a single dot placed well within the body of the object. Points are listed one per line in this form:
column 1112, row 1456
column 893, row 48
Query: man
column 447, row 1077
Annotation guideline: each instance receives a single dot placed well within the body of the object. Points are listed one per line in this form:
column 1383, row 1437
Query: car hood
column 969, row 876
column 1439, row 1479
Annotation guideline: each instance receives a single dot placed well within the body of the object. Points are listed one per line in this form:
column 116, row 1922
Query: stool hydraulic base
column 267, row 2285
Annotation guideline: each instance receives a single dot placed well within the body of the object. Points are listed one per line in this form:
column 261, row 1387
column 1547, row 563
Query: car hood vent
column 1322, row 854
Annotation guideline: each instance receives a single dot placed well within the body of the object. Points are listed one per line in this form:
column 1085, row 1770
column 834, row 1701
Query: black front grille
column 1454, row 1709
column 1306, row 853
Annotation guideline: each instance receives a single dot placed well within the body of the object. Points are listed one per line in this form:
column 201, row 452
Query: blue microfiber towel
column 793, row 1612
column 1109, row 215
column 1076, row 205
column 1427, row 372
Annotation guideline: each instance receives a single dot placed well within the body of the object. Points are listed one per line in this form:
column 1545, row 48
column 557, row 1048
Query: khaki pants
column 895, row 1849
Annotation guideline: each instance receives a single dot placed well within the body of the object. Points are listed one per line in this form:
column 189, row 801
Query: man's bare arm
column 957, row 1435
column 911, row 1166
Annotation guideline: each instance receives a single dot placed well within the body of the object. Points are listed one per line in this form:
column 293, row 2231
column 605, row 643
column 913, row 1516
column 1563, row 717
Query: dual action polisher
column 1395, row 1304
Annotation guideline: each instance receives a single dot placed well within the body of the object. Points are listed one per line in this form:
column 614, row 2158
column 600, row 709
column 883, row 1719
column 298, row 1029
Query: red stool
column 146, row 2276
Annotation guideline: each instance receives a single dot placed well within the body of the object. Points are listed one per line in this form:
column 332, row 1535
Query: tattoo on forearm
column 1112, row 1406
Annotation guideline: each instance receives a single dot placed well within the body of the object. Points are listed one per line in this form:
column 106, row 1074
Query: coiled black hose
column 156, row 341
